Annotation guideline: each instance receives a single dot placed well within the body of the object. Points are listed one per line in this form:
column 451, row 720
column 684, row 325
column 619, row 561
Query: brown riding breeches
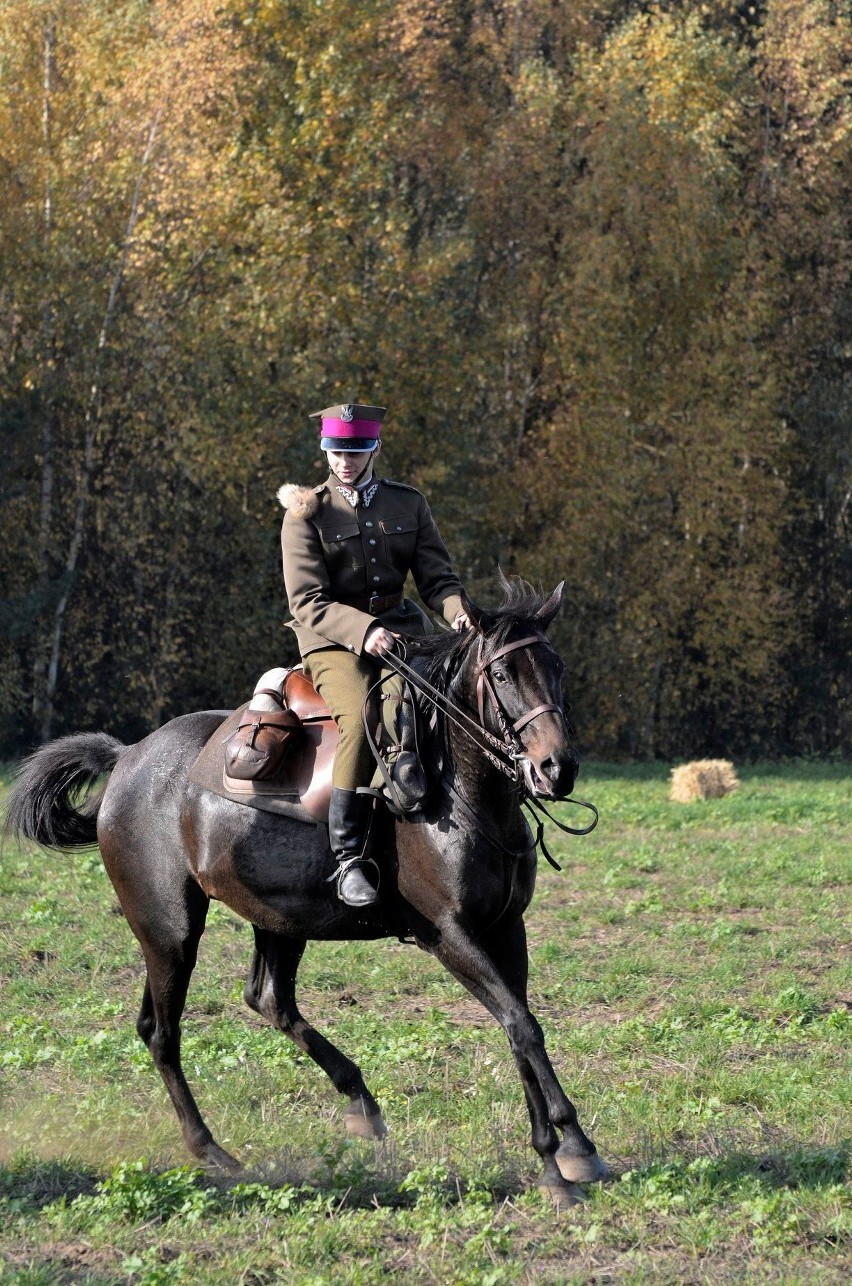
column 343, row 681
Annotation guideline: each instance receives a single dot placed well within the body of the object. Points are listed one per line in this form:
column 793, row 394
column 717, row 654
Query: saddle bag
column 264, row 739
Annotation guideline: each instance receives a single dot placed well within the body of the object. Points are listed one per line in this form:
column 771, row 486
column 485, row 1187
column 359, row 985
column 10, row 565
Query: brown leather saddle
column 280, row 760
column 301, row 784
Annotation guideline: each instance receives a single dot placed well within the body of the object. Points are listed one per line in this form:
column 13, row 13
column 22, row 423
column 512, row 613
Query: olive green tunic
column 336, row 558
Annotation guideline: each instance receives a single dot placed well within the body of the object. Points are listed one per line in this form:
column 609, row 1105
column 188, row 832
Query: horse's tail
column 45, row 801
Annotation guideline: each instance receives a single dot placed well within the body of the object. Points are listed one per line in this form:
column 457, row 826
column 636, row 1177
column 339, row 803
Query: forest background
column 595, row 258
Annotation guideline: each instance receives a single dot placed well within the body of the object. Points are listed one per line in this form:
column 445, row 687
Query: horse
column 457, row 876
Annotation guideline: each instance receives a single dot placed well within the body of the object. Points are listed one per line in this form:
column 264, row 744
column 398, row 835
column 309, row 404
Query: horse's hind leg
column 170, row 956
column 271, row 991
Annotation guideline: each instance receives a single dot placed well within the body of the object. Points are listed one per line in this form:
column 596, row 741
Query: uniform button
column 377, row 579
column 339, row 535
column 399, row 528
column 372, row 540
column 372, row 560
column 368, row 524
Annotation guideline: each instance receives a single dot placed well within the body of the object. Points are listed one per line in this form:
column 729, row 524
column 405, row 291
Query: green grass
column 690, row 967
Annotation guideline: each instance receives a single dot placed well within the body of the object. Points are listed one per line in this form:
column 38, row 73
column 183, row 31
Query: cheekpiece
column 350, row 426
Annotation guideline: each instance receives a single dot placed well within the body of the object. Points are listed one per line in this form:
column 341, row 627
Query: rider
column 348, row 546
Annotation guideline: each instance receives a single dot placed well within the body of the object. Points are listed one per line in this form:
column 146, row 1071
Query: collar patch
column 354, row 497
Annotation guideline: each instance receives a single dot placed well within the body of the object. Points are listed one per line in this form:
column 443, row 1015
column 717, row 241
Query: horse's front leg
column 495, row 971
column 577, row 1163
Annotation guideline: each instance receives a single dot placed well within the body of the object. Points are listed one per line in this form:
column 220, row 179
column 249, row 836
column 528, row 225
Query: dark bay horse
column 457, row 879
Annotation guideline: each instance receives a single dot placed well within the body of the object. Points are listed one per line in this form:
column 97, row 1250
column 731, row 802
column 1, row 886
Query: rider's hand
column 462, row 622
column 379, row 641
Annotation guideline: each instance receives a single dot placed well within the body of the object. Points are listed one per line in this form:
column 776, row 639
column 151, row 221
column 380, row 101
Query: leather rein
column 504, row 754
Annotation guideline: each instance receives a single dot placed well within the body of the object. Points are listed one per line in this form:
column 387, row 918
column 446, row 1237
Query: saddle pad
column 306, row 789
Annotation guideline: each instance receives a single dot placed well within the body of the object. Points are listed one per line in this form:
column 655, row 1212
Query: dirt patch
column 463, row 1010
column 69, row 1256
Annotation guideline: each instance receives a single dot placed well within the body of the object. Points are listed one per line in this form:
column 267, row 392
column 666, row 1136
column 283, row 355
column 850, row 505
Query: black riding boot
column 348, row 820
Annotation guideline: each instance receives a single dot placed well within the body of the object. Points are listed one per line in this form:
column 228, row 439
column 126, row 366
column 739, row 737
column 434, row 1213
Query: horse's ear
column 548, row 610
column 481, row 619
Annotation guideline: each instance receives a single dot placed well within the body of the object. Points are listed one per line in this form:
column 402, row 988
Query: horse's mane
column 441, row 654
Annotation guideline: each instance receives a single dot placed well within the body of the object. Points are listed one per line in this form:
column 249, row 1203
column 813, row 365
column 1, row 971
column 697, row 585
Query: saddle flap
column 302, row 777
column 302, row 697
column 286, row 752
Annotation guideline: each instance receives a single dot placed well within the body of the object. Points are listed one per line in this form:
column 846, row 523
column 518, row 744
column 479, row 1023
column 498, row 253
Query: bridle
column 506, row 753
column 485, row 689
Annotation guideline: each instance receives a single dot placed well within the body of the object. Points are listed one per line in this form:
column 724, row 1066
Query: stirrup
column 345, row 866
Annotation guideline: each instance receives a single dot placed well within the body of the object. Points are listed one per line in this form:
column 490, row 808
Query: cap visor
column 348, row 444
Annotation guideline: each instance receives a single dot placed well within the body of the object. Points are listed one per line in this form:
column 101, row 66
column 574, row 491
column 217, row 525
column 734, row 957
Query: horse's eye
column 499, row 676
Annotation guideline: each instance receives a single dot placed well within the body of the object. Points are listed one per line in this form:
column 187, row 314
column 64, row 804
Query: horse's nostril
column 549, row 768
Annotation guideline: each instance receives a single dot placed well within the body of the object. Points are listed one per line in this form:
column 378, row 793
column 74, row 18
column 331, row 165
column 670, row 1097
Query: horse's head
column 519, row 691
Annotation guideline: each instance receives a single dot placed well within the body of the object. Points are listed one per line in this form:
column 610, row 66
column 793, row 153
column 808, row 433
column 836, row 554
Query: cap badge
column 347, row 413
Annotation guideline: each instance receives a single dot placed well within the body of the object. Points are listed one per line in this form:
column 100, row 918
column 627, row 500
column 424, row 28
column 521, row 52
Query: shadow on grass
column 136, row 1190
column 29, row 1184
column 802, row 1167
column 140, row 1190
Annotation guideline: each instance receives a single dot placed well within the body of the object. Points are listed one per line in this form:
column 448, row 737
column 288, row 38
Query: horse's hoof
column 563, row 1195
column 361, row 1126
column 217, row 1157
column 579, row 1169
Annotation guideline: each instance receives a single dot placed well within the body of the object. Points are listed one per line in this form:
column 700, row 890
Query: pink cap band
column 351, row 428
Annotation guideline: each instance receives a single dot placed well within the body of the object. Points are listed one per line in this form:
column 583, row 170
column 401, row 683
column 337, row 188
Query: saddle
column 286, row 753
column 276, row 753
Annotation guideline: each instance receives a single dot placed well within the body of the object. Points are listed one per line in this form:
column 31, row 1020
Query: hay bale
column 702, row 779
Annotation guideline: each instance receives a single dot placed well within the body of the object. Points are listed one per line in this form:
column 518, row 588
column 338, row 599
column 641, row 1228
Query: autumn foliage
column 595, row 258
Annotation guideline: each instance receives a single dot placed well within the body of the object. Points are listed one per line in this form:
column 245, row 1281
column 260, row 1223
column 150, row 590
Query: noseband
column 513, row 745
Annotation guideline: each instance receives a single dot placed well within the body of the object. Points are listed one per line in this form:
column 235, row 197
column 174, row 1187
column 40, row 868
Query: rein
column 498, row 752
column 505, row 754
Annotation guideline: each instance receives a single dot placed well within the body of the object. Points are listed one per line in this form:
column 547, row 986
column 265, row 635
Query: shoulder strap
column 403, row 486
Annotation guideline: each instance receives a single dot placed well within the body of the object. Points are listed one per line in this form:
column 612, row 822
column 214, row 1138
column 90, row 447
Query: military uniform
column 347, row 551
column 345, row 567
column 344, row 571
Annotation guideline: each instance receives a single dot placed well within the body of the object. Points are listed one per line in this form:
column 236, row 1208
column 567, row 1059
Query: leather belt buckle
column 378, row 603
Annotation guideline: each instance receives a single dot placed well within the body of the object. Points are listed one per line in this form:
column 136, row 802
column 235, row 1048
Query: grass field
column 690, row 968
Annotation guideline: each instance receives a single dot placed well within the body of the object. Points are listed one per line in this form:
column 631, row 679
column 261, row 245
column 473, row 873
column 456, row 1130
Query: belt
column 376, row 603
